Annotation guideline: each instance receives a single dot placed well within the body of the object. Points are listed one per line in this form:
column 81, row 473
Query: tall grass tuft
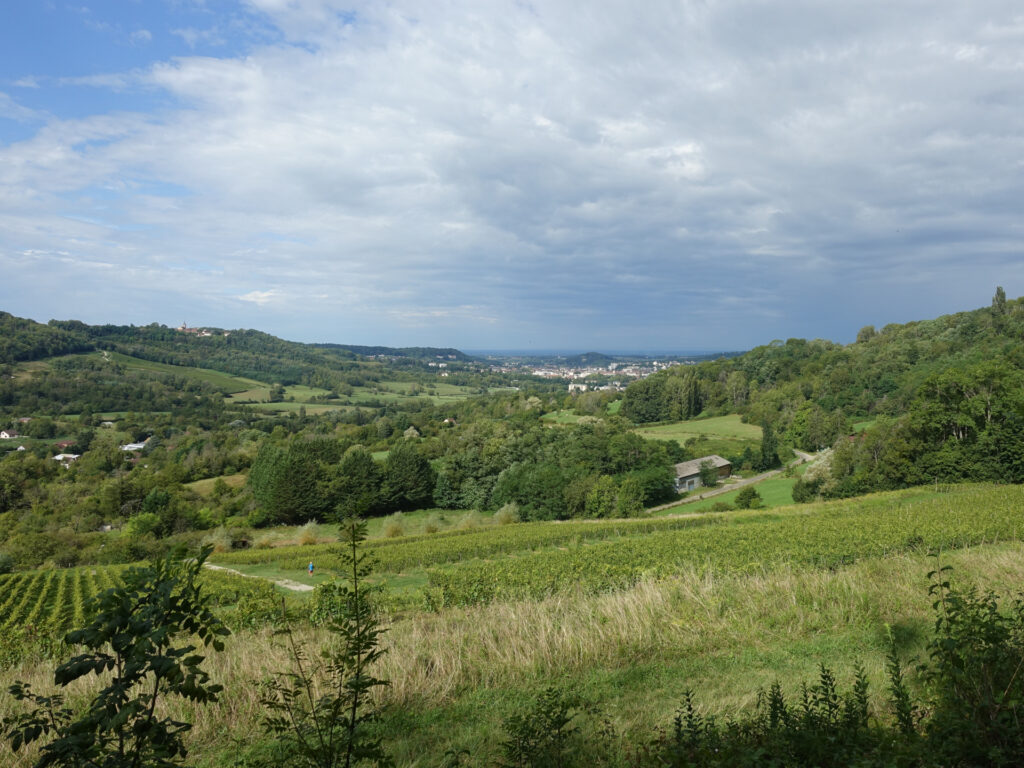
column 309, row 534
column 394, row 526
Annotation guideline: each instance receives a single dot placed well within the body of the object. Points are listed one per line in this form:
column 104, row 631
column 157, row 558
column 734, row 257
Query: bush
column 749, row 498
column 309, row 533
column 394, row 526
column 219, row 540
column 6, row 563
column 507, row 515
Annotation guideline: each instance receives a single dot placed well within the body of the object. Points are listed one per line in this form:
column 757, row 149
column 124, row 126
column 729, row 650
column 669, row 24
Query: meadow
column 718, row 435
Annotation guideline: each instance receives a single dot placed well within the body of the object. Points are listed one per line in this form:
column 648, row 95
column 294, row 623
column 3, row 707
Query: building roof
column 687, row 468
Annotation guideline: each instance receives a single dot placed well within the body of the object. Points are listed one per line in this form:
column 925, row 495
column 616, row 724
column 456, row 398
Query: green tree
column 408, row 478
column 749, row 498
column 999, row 301
column 355, row 486
column 708, row 474
column 139, row 647
column 321, row 710
column 630, row 499
column 601, row 498
column 769, row 448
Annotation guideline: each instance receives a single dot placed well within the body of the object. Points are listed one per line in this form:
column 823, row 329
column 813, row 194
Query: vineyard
column 827, row 535
column 533, row 560
column 38, row 607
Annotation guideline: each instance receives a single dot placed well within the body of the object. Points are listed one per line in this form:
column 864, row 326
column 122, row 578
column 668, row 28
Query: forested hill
column 248, row 353
column 22, row 339
column 416, row 353
column 879, row 374
column 939, row 400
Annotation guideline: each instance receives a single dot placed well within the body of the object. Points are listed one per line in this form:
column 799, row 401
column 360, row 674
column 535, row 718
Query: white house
column 8, row 434
column 66, row 458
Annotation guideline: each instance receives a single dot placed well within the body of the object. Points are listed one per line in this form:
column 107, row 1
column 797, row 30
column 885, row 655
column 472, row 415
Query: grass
column 718, row 427
column 860, row 426
column 561, row 417
column 205, row 487
column 775, row 492
column 631, row 654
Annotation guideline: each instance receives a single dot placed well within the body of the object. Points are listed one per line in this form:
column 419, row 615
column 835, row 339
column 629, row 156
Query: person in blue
column 310, row 567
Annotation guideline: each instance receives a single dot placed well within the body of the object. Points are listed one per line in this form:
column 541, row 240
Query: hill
column 415, row 353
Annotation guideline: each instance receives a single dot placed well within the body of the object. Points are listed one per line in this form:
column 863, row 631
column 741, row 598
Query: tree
column 287, row 482
column 408, row 478
column 139, row 646
column 865, row 334
column 355, row 487
column 769, row 448
column 749, row 498
column 320, row 710
column 708, row 474
column 999, row 301
column 601, row 498
column 630, row 499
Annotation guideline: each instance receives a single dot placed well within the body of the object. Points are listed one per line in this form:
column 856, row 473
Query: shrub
column 219, row 539
column 507, row 515
column 432, row 524
column 749, row 498
column 309, row 533
column 394, row 526
column 469, row 521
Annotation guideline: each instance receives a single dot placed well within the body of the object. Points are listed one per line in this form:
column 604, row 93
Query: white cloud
column 513, row 165
column 260, row 297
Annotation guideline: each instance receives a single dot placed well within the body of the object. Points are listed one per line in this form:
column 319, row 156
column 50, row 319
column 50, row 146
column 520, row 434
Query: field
column 625, row 614
column 205, row 487
column 719, row 435
column 728, row 427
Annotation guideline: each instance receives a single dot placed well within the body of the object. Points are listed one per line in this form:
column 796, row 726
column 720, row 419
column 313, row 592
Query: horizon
column 510, row 176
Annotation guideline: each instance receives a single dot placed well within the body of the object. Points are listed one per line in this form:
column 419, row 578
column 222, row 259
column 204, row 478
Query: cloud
column 260, row 297
column 496, row 173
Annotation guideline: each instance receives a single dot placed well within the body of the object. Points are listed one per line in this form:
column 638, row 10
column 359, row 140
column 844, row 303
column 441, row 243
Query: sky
column 680, row 175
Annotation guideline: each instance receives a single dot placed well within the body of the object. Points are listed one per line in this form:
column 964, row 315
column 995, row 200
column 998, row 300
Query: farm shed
column 688, row 472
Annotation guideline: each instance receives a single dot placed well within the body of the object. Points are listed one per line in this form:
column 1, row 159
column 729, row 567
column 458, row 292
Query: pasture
column 718, row 427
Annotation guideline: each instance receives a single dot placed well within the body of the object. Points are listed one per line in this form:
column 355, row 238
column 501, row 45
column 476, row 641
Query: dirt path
column 286, row 583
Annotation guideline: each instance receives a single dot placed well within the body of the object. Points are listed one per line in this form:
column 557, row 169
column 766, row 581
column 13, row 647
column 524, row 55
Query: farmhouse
column 8, row 434
column 66, row 458
column 688, row 472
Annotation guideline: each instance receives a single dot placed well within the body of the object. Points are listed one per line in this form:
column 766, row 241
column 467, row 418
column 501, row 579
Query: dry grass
column 394, row 526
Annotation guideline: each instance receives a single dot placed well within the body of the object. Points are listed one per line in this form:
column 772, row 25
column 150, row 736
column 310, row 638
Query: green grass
column 775, row 491
column 561, row 417
column 614, row 406
column 205, row 487
column 718, row 427
column 860, row 426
